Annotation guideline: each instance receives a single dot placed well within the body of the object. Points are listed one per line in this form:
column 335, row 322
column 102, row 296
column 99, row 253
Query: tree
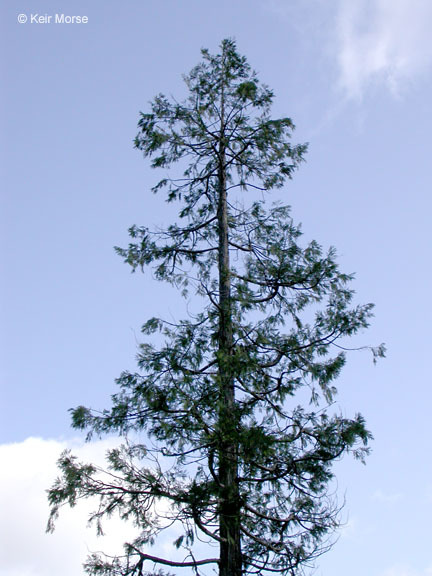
column 216, row 422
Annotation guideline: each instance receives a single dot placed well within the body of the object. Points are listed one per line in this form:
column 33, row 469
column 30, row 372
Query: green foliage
column 287, row 314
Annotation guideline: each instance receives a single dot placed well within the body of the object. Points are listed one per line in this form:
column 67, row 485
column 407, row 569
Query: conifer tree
column 229, row 423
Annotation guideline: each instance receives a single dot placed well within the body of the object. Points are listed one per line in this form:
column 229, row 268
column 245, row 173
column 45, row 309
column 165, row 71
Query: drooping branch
column 173, row 563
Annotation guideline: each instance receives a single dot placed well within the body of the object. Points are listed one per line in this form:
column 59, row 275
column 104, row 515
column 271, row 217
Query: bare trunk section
column 229, row 519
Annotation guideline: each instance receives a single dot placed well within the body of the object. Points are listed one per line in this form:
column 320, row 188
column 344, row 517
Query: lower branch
column 158, row 560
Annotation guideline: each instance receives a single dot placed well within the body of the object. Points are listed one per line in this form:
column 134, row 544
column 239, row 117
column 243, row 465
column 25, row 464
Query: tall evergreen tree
column 217, row 424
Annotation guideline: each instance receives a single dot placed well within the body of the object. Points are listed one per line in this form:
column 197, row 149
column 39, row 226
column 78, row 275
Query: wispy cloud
column 385, row 42
column 387, row 497
column 404, row 570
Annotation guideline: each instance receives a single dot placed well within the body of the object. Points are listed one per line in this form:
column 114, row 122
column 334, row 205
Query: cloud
column 387, row 497
column 404, row 570
column 384, row 42
column 28, row 469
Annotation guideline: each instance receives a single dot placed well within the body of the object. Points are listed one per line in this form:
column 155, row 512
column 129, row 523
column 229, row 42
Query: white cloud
column 404, row 570
column 27, row 470
column 349, row 529
column 385, row 42
column 387, row 497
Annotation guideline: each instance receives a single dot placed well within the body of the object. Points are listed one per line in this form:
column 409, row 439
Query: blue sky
column 355, row 76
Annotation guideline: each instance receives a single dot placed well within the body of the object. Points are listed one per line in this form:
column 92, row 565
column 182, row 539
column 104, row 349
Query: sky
column 356, row 78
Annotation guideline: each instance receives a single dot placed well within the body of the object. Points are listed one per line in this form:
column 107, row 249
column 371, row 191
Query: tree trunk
column 229, row 519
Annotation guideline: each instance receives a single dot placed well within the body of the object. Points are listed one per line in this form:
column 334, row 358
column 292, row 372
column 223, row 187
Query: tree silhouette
column 229, row 425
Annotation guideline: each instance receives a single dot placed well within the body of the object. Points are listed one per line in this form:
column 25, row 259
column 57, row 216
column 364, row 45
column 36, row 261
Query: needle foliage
column 229, row 426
